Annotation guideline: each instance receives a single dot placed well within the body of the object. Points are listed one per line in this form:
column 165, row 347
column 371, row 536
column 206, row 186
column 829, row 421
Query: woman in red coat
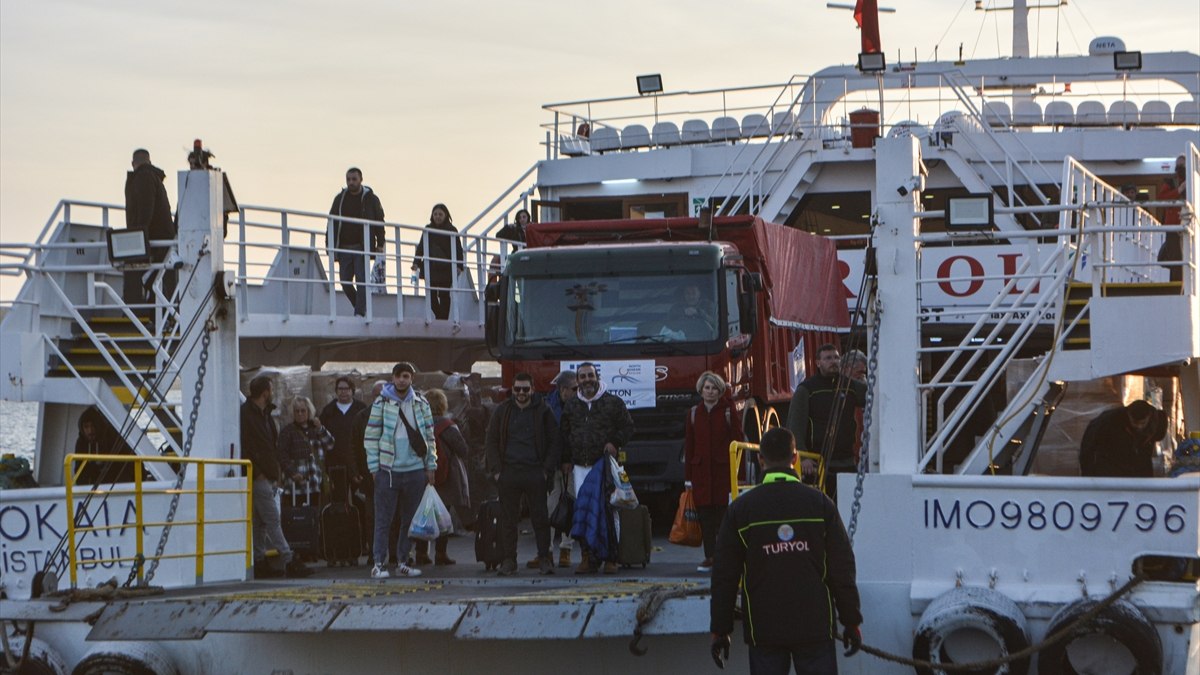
column 711, row 426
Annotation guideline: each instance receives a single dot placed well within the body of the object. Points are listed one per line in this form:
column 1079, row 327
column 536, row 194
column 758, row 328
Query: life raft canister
column 969, row 624
column 1120, row 639
column 126, row 658
column 42, row 659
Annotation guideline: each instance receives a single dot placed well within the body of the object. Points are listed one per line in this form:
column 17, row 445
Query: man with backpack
column 522, row 450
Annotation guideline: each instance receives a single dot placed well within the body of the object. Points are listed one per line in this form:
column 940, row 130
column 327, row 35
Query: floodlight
column 872, row 62
column 649, row 84
column 128, row 246
column 972, row 212
column 1127, row 60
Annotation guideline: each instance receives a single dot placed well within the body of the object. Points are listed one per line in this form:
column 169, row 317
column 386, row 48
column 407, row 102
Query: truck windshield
column 586, row 309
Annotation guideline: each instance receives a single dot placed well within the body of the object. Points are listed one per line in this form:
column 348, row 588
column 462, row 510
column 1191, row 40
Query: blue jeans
column 809, row 659
column 353, row 267
column 407, row 488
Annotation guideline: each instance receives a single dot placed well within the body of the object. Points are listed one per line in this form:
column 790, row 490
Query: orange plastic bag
column 686, row 529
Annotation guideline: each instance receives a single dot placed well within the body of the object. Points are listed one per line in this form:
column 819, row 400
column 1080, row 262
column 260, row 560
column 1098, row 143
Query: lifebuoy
column 42, row 659
column 969, row 624
column 126, row 658
column 1120, row 637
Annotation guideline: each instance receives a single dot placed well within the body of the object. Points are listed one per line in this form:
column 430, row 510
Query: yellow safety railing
column 72, row 475
column 737, row 449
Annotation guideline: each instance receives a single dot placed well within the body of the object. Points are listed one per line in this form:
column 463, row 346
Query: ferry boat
column 973, row 540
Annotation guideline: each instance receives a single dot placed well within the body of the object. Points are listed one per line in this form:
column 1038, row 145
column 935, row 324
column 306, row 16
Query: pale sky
column 436, row 102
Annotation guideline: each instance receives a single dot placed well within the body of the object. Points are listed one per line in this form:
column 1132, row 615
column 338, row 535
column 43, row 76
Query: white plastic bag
column 623, row 496
column 432, row 519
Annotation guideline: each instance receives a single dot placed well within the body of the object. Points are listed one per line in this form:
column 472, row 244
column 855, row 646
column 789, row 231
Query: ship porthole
column 1120, row 640
column 970, row 624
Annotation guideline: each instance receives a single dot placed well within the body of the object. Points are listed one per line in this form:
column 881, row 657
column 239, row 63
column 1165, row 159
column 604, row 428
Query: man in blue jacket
column 784, row 546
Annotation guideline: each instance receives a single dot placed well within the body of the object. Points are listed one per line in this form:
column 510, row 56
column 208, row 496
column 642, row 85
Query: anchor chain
column 864, row 453
column 181, row 475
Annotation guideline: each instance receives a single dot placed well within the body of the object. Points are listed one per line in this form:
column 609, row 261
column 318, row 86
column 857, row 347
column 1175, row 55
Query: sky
column 436, row 102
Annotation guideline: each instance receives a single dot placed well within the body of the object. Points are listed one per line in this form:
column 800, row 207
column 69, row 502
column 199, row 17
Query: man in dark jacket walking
column 351, row 239
column 784, row 546
column 259, row 438
column 821, row 416
column 522, row 450
column 148, row 209
column 594, row 426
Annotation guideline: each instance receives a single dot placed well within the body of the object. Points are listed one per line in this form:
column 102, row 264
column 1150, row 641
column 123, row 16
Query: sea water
column 18, row 428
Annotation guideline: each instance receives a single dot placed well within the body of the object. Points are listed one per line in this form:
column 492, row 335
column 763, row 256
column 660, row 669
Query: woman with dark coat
column 438, row 251
column 450, row 480
column 338, row 418
column 710, row 427
column 304, row 446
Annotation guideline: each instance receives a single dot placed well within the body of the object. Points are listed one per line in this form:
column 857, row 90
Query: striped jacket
column 381, row 430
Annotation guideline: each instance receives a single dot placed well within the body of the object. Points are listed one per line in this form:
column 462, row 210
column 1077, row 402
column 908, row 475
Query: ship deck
column 462, row 600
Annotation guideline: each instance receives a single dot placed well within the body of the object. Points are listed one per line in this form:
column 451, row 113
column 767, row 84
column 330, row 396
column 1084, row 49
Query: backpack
column 443, row 466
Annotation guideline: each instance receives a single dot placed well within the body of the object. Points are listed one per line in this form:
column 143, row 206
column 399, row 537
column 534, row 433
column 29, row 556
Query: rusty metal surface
column 155, row 621
column 268, row 616
column 508, row 621
column 47, row 610
column 399, row 616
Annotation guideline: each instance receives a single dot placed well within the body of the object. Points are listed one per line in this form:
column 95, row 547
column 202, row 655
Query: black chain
column 189, row 436
column 864, row 454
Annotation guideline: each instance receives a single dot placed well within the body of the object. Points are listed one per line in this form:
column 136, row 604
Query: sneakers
column 564, row 557
column 508, row 568
column 545, row 565
column 403, row 570
column 379, row 572
column 705, row 566
column 297, row 570
column 610, row 567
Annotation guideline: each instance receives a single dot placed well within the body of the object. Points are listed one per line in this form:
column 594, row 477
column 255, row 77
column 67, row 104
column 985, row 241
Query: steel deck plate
column 154, row 621
column 399, row 616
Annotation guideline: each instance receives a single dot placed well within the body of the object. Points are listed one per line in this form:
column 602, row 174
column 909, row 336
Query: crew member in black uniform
column 784, row 546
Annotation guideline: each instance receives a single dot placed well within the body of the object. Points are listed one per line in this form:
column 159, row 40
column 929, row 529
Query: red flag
column 866, row 15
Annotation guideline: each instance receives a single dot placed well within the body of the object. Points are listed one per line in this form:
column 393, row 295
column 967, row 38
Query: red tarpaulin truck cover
column 800, row 270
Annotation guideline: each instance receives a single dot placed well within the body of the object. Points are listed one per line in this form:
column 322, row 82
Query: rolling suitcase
column 341, row 532
column 633, row 544
column 487, row 535
column 301, row 525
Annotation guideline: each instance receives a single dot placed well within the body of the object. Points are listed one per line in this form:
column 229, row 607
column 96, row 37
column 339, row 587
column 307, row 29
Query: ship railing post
column 199, row 524
column 285, row 245
column 138, row 519
column 70, row 489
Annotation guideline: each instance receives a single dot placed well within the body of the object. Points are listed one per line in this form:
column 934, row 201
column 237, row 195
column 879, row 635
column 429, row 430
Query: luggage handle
column 307, row 494
column 345, row 479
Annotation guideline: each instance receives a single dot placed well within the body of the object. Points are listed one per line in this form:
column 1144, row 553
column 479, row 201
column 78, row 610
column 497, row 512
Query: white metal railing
column 1102, row 238
column 263, row 232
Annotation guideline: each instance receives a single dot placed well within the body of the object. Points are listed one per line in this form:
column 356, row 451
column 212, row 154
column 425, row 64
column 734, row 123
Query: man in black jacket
column 259, row 438
column 1120, row 441
column 821, row 416
column 148, row 209
column 350, row 239
column 595, row 425
column 522, row 450
column 784, row 545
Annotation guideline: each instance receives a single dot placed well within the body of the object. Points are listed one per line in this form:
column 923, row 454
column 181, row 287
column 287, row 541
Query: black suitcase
column 633, row 545
column 301, row 525
column 487, row 535
column 341, row 532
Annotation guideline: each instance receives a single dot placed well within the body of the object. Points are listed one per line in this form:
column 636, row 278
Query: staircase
column 1102, row 293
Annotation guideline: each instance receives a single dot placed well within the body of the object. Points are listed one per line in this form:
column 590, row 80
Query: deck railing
column 72, row 470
